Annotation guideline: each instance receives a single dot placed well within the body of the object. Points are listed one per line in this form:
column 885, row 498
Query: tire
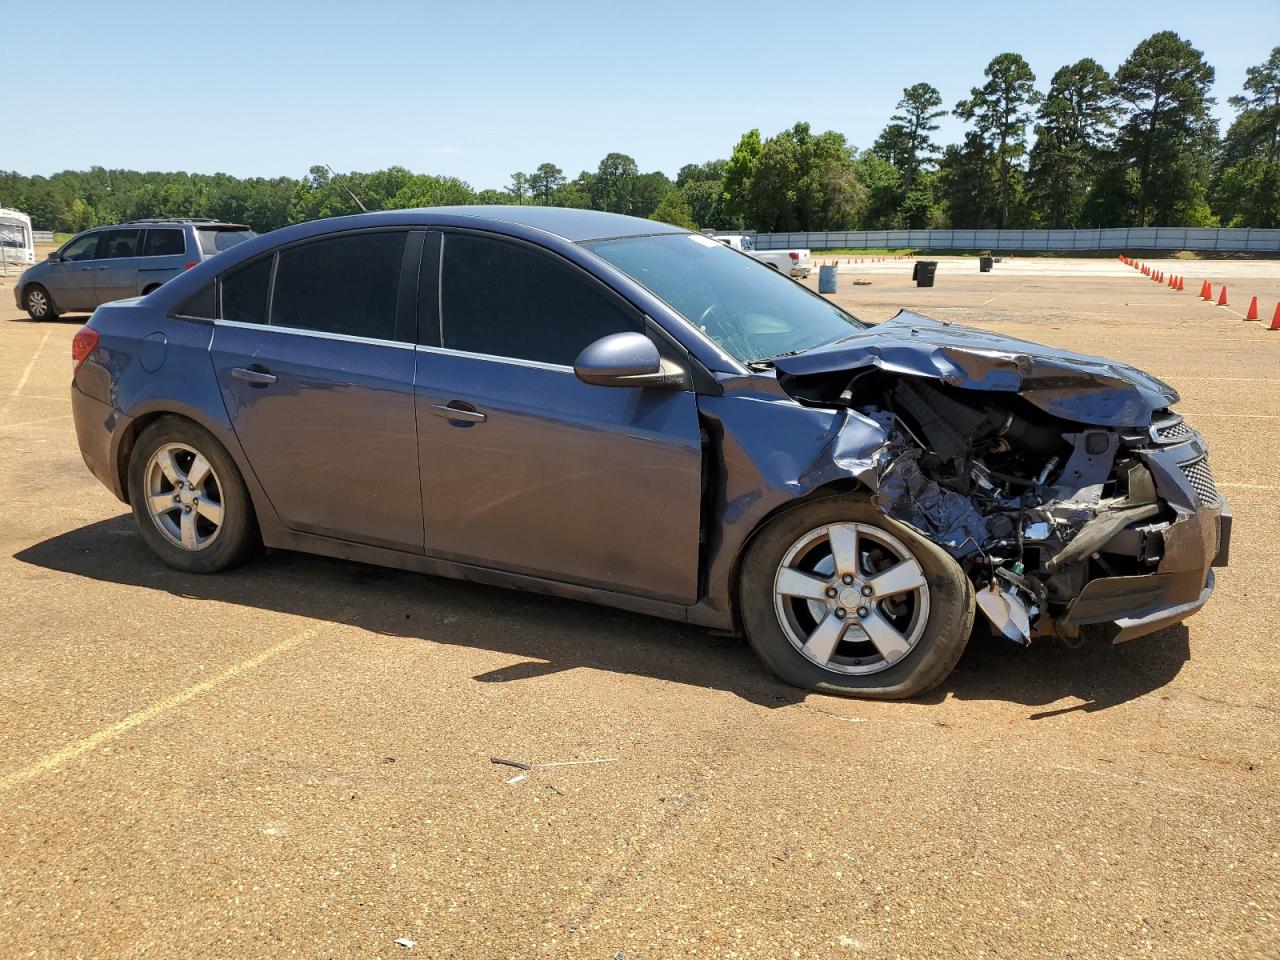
column 930, row 622
column 39, row 305
column 151, row 289
column 176, row 500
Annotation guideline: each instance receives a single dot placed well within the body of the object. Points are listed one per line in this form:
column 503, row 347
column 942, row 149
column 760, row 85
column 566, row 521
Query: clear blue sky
column 481, row 89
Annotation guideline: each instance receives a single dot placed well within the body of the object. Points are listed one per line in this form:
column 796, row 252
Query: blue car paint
column 348, row 468
column 642, row 499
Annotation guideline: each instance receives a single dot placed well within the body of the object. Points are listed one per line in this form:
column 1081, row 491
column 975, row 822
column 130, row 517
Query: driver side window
column 506, row 299
column 84, row 248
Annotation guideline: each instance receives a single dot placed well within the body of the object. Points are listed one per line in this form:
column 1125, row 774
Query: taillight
column 82, row 344
column 189, row 265
column 794, row 256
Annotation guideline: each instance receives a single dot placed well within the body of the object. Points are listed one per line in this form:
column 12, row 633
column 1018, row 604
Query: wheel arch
column 833, row 488
column 146, row 414
column 25, row 287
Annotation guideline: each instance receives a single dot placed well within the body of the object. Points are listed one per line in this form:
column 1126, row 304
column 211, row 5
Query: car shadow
column 551, row 635
column 63, row 318
column 1092, row 670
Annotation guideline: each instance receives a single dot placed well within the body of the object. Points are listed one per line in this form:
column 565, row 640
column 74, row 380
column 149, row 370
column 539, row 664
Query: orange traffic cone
column 1182, row 282
column 1252, row 313
column 1222, row 297
column 1275, row 320
column 1206, row 291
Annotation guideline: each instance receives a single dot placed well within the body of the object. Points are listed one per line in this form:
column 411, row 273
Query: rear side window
column 199, row 304
column 164, row 243
column 215, row 240
column 347, row 284
column 244, row 292
column 507, row 300
column 117, row 244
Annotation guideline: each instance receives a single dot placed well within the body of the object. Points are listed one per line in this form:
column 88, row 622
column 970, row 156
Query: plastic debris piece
column 511, row 763
column 574, row 763
column 517, row 778
column 406, row 943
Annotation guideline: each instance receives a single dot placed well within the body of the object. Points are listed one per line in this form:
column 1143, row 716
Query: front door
column 526, row 468
column 119, row 256
column 317, row 369
column 70, row 279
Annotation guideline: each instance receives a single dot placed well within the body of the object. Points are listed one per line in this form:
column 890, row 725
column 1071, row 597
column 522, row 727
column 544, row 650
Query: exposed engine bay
column 1035, row 506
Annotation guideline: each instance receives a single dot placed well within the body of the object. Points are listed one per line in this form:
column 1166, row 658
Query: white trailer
column 17, row 246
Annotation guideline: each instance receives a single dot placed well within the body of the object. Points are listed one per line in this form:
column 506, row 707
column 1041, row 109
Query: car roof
column 570, row 224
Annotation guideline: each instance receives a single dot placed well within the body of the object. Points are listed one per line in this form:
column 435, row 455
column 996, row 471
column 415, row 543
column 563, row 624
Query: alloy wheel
column 851, row 598
column 184, row 497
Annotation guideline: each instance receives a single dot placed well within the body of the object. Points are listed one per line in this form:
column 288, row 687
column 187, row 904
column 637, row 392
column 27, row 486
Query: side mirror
column 627, row 360
column 53, row 255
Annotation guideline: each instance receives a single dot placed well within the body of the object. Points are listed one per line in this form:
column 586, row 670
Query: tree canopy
column 1096, row 149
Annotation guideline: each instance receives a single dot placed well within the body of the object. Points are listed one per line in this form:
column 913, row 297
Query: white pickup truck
column 794, row 263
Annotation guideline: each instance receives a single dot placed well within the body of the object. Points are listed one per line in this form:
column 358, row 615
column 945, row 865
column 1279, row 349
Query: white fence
column 42, row 236
column 1244, row 240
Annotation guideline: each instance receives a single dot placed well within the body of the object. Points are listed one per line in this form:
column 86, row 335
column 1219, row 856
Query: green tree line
column 1137, row 147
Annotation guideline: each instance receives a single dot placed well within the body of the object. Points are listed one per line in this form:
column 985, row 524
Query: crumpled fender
column 774, row 452
column 1073, row 386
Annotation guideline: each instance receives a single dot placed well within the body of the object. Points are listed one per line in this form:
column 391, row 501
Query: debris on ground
column 406, row 943
column 574, row 763
column 511, row 763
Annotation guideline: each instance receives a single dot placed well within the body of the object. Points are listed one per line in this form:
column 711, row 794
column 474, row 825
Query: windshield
column 747, row 307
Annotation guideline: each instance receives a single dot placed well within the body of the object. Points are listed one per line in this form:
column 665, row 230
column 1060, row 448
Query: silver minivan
column 121, row 261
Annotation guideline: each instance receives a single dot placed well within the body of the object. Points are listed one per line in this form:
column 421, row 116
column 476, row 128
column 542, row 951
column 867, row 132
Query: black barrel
column 924, row 271
column 984, row 264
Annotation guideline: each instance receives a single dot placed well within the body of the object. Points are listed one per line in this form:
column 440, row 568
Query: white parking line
column 22, row 381
column 80, row 747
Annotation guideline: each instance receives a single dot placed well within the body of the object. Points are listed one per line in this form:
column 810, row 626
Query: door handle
column 255, row 375
column 458, row 410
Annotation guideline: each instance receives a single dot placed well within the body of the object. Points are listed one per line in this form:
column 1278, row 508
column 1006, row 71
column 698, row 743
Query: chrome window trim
column 303, row 332
column 514, row 361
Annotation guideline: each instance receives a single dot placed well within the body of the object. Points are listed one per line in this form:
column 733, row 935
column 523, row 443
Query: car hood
column 1073, row 386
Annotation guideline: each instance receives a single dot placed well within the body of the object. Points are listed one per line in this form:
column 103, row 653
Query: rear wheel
column 837, row 597
column 38, row 303
column 189, row 499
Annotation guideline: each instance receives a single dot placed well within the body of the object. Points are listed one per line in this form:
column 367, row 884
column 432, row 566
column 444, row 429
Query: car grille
column 1201, row 478
column 1173, row 431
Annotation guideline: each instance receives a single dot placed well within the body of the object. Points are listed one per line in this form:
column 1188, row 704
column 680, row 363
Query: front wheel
column 38, row 303
column 189, row 499
column 837, row 597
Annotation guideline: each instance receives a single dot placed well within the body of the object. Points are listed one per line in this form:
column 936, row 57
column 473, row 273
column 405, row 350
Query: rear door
column 526, row 468
column 164, row 255
column 314, row 354
column 119, row 256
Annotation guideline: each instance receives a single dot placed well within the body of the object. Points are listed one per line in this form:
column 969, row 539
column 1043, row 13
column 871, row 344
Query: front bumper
column 1198, row 539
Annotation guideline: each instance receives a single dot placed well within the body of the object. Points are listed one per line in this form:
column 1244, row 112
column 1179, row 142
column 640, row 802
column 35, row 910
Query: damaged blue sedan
column 618, row 411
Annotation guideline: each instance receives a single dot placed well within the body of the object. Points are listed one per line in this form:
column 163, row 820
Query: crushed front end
column 1066, row 488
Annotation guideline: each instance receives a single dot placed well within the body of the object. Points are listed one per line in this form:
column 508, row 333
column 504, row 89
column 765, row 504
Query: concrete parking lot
column 293, row 759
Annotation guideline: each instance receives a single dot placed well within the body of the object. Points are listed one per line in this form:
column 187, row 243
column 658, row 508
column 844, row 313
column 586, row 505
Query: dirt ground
column 293, row 759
